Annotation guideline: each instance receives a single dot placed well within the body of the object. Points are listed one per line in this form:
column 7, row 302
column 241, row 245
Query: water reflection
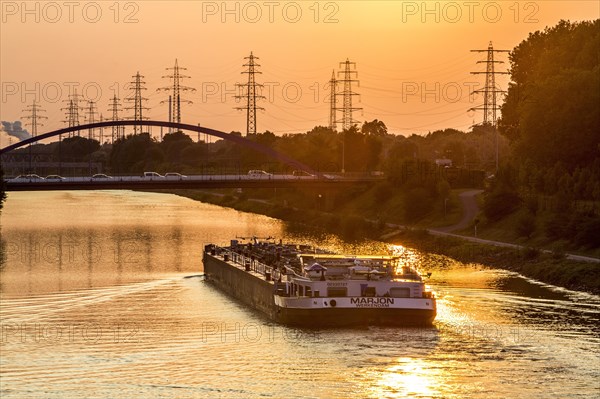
column 110, row 265
column 401, row 363
column 175, row 237
column 91, row 239
column 408, row 377
column 74, row 258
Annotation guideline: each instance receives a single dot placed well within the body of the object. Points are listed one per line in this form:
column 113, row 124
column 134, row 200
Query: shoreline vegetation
column 547, row 267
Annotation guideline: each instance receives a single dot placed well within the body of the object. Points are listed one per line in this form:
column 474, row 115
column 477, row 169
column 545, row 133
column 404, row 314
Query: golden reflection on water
column 408, row 256
column 406, row 377
column 60, row 241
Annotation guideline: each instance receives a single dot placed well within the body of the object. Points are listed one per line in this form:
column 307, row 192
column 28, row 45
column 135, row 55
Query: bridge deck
column 190, row 182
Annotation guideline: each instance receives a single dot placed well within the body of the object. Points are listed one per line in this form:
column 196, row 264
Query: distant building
column 443, row 162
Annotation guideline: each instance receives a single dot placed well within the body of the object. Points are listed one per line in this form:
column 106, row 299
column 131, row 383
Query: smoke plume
column 15, row 129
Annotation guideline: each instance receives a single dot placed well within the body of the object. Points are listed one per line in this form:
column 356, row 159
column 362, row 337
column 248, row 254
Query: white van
column 152, row 175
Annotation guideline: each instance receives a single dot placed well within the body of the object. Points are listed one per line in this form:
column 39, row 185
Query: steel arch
column 182, row 126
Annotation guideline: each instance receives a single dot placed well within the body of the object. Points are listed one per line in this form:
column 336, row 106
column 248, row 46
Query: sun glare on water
column 407, row 377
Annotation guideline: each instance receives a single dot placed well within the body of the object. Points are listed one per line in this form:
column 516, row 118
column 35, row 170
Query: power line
column 251, row 95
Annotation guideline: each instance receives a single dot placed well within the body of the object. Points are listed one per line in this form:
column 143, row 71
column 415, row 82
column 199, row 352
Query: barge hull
column 246, row 287
column 334, row 317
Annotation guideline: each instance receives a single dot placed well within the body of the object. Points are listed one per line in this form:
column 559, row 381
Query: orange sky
column 412, row 58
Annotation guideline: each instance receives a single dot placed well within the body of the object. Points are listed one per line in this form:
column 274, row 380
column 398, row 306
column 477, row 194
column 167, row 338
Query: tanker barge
column 298, row 285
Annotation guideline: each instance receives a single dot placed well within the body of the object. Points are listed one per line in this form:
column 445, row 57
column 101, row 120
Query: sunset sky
column 413, row 58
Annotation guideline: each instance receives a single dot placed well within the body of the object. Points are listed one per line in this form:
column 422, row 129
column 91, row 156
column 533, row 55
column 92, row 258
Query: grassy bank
column 551, row 268
column 510, row 229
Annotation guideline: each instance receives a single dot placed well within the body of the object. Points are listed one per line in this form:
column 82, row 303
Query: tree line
column 551, row 117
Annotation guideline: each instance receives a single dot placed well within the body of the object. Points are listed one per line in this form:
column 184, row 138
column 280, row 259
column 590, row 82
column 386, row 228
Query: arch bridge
column 173, row 125
column 312, row 179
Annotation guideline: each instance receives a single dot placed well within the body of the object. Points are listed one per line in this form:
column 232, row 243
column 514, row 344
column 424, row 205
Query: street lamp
column 343, row 151
column 445, row 206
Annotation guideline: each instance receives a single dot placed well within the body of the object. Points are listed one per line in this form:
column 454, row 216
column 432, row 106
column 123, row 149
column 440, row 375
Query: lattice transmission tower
column 490, row 90
column 347, row 94
column 72, row 112
column 250, row 95
column 115, row 108
column 91, row 118
column 101, row 130
column 137, row 85
column 176, row 88
column 332, row 102
column 33, row 117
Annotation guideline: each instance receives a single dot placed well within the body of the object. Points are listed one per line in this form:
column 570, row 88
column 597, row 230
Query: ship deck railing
column 250, row 264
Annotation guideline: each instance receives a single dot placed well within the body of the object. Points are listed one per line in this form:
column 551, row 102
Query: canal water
column 101, row 296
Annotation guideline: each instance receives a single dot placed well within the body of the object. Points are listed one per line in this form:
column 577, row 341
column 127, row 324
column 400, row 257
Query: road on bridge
column 184, row 182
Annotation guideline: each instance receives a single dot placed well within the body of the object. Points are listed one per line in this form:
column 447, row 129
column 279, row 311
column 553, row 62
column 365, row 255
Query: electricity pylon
column 490, row 91
column 115, row 108
column 347, row 94
column 138, row 101
column 176, row 88
column 332, row 102
column 33, row 116
column 251, row 95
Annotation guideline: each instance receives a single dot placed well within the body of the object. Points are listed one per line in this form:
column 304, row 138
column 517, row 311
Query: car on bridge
column 258, row 174
column 174, row 175
column 55, row 177
column 101, row 176
column 301, row 173
column 25, row 178
column 152, row 175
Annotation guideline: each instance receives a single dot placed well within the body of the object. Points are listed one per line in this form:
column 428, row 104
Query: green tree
column 134, row 153
column 525, row 224
column 374, row 128
column 588, row 231
column 418, row 202
column 361, row 152
column 173, row 144
column 500, row 203
column 76, row 148
column 193, row 155
column 551, row 109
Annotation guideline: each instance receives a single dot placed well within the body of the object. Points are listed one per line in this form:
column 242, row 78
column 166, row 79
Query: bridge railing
column 190, row 178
